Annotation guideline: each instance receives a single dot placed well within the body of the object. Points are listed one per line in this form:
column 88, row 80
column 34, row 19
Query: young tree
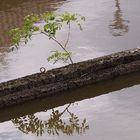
column 52, row 24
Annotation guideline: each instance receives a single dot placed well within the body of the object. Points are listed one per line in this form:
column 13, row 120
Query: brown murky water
column 111, row 26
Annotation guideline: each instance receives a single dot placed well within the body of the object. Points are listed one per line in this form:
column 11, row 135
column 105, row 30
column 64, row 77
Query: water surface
column 79, row 114
column 111, row 26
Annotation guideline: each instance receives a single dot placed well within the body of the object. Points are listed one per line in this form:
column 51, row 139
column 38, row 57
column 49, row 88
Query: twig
column 58, row 44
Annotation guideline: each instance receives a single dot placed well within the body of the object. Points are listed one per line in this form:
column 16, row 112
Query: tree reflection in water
column 30, row 124
column 119, row 26
column 54, row 125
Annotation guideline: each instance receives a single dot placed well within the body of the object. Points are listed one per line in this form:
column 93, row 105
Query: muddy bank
column 58, row 80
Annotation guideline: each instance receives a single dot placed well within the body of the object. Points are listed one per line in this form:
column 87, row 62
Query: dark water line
column 70, row 96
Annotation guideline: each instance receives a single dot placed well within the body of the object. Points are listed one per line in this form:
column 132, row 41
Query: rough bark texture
column 75, row 75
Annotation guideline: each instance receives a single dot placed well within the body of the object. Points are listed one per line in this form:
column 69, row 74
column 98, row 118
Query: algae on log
column 74, row 75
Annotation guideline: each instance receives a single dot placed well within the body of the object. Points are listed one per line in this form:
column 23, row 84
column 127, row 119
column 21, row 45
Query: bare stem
column 65, row 109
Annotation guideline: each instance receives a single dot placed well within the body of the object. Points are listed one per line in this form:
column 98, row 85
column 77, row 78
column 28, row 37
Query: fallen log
column 68, row 77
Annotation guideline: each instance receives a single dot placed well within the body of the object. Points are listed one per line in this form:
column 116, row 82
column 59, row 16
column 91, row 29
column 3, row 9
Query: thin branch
column 58, row 44
column 53, row 39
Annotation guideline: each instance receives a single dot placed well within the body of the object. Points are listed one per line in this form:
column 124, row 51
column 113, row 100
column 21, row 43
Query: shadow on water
column 119, row 26
column 13, row 12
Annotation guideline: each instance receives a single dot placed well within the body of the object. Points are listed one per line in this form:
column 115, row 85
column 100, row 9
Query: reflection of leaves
column 30, row 123
column 54, row 125
column 76, row 126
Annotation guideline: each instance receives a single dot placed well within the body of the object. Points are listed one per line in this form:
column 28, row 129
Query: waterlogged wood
column 72, row 76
